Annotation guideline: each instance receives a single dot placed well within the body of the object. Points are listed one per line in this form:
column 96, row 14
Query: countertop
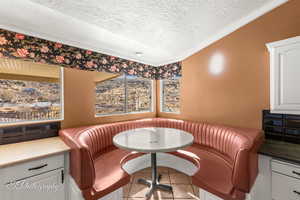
column 281, row 150
column 24, row 151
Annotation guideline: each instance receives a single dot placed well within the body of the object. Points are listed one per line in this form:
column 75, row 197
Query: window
column 29, row 92
column 170, row 95
column 124, row 94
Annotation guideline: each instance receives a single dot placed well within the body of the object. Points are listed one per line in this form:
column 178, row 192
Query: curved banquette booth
column 225, row 157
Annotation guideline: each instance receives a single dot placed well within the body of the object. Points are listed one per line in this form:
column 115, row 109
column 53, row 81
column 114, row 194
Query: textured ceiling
column 164, row 31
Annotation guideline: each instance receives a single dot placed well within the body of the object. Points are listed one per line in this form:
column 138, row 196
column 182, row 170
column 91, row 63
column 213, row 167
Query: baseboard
column 75, row 193
column 204, row 195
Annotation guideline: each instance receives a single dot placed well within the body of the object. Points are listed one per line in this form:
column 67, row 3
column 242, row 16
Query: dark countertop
column 281, row 150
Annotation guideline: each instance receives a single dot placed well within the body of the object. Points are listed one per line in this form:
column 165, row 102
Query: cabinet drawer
column 286, row 168
column 285, row 187
column 46, row 186
column 32, row 168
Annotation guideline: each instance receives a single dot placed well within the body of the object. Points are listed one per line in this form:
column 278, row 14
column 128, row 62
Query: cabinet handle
column 296, row 192
column 39, row 167
column 297, row 173
column 62, row 176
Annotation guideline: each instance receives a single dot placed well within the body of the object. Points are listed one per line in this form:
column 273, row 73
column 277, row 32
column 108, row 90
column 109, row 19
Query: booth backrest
column 224, row 140
column 233, row 143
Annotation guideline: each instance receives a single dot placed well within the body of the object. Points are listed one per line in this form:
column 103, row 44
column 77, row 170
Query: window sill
column 175, row 113
column 122, row 114
column 29, row 122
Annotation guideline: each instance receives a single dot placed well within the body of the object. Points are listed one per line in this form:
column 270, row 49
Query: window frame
column 161, row 99
column 62, row 114
column 153, row 100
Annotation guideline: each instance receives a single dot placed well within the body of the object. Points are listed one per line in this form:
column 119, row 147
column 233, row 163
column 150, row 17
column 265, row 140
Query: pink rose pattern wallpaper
column 20, row 46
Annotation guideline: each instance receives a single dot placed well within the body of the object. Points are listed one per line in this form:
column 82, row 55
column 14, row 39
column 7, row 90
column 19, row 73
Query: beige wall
column 79, row 96
column 238, row 95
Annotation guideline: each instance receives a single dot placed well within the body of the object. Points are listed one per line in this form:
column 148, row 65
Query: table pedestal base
column 154, row 183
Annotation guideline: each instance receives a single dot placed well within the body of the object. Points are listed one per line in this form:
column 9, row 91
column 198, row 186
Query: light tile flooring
column 181, row 183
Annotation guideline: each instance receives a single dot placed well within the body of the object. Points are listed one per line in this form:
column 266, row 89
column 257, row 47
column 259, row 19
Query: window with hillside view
column 29, row 92
column 124, row 94
column 170, row 95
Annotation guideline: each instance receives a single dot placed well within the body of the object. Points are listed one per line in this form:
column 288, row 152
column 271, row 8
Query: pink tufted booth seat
column 226, row 157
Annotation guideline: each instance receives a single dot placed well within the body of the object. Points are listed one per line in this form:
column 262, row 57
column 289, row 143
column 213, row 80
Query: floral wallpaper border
column 20, row 46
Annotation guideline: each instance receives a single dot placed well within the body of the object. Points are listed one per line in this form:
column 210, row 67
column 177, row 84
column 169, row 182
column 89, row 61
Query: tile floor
column 181, row 183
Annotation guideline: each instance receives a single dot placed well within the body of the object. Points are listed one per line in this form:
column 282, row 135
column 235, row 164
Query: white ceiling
column 164, row 31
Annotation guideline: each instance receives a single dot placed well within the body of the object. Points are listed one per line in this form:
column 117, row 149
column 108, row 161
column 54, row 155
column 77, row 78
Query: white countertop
column 24, row 151
column 151, row 140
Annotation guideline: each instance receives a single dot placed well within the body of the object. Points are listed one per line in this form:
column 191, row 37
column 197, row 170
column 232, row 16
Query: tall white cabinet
column 285, row 76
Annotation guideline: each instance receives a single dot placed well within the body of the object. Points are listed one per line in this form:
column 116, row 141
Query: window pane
column 139, row 92
column 29, row 92
column 171, row 95
column 110, row 96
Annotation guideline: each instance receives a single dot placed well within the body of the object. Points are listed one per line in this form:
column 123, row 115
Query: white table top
column 151, row 140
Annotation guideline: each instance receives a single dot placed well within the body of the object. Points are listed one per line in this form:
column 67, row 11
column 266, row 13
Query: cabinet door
column 46, row 186
column 285, row 81
column 285, row 187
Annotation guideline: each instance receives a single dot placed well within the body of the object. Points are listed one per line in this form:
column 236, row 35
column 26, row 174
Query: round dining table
column 153, row 140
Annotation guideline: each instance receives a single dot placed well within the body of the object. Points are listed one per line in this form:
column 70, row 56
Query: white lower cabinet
column 285, row 181
column 39, row 179
column 46, row 186
column 285, row 187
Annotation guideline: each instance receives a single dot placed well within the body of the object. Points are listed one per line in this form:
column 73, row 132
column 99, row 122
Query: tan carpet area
column 181, row 183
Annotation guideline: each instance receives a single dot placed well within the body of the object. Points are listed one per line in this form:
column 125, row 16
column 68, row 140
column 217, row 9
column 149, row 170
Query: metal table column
column 154, row 183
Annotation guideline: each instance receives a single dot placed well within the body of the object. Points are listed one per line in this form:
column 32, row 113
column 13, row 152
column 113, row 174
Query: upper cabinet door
column 285, row 76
